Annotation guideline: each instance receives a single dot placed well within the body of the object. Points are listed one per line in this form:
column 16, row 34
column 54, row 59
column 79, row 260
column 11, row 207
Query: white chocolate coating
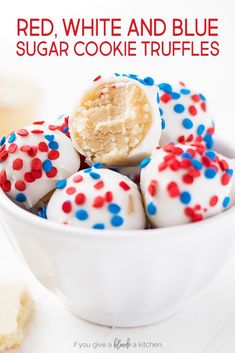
column 182, row 184
column 97, row 198
column 33, row 160
column 185, row 114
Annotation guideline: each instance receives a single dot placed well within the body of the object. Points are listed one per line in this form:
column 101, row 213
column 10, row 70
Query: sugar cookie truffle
column 182, row 184
column 117, row 121
column 185, row 115
column 32, row 160
column 97, row 198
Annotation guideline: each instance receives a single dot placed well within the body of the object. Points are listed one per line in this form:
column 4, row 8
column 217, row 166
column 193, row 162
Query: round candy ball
column 33, row 159
column 185, row 114
column 97, row 198
column 182, row 184
column 117, row 121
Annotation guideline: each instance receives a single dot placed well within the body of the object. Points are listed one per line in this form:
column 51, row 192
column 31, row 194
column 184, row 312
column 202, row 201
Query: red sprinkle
column 213, row 200
column 3, row 155
column 42, row 146
column 28, row 176
column 109, row 196
column 17, row 164
column 152, row 188
column 52, row 127
column 54, row 154
column 97, row 78
column 192, row 110
column 162, row 166
column 173, row 189
column 99, row 185
column 124, row 186
column 165, row 98
column 33, row 151
column 71, row 190
column 20, row 185
column 197, row 217
column 98, row 202
column 80, row 199
column 225, row 179
column 223, row 164
column 36, row 164
column 181, row 139
column 7, row 186
column 38, row 122
column 78, row 179
column 67, row 207
column 22, row 132
column 3, row 177
column 52, row 173
column 195, row 98
column 12, row 148
column 203, row 106
column 37, row 131
column 187, row 179
column 37, row 174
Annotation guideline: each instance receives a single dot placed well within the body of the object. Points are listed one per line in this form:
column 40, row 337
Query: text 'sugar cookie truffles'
column 117, row 121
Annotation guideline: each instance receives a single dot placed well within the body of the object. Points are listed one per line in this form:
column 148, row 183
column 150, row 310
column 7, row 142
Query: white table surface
column 205, row 324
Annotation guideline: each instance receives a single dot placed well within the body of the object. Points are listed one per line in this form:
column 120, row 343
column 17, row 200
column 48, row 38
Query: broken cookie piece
column 15, row 309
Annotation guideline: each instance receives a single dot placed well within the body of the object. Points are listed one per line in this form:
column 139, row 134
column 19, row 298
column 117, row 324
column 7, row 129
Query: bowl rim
column 64, row 230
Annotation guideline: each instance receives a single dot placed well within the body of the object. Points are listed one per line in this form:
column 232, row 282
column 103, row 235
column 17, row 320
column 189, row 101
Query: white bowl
column 122, row 278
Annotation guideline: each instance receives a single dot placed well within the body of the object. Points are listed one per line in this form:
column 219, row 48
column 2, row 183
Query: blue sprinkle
column 179, row 108
column 49, row 137
column 151, row 209
column 20, row 197
column 158, row 98
column 144, row 162
column 114, row 208
column 88, row 170
column 186, row 155
column 116, row 221
column 187, row 123
column 165, row 87
column 53, row 145
column 163, row 124
column 12, row 138
column 99, row 226
column 116, row 74
column 185, row 197
column 47, row 165
column 185, row 91
column 226, row 201
column 134, row 76
column 148, row 81
column 98, row 165
column 198, row 165
column 229, row 171
column 65, row 129
column 210, row 173
column 61, row 184
column 200, row 129
column 209, row 141
column 203, row 98
column 94, row 175
column 211, row 155
column 82, row 215
column 43, row 213
column 3, row 140
column 175, row 95
column 161, row 111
